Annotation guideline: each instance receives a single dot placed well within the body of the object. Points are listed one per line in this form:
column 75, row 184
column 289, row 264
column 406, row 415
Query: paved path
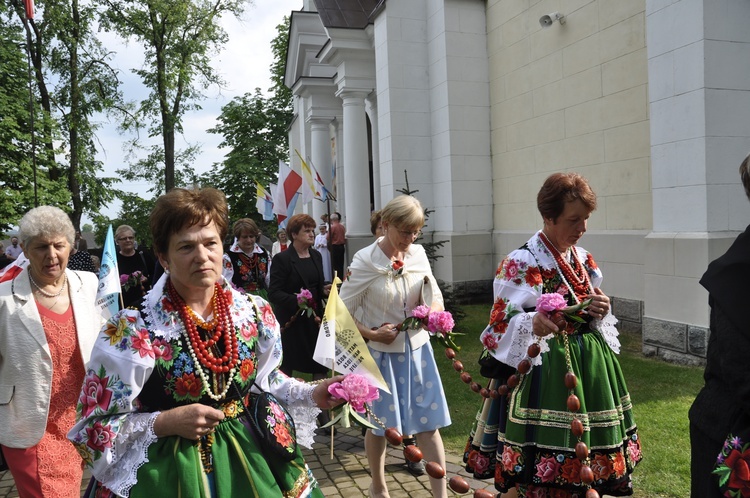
column 346, row 475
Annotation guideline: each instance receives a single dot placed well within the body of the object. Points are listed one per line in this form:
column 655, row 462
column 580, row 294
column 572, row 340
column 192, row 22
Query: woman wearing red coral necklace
column 526, row 440
column 169, row 383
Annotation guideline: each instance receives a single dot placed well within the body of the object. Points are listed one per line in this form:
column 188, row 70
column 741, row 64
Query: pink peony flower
column 124, row 278
column 547, row 303
column 440, row 322
column 304, row 296
column 356, row 390
column 421, row 311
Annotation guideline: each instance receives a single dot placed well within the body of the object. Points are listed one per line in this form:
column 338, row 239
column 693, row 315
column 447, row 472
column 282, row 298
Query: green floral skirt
column 227, row 463
column 534, row 448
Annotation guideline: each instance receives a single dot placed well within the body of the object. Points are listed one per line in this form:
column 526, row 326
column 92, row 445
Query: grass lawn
column 662, row 394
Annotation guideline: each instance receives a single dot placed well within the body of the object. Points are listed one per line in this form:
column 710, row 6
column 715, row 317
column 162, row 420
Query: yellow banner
column 341, row 347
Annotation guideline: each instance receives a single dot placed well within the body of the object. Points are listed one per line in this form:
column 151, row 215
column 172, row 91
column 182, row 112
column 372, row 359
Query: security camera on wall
column 549, row 19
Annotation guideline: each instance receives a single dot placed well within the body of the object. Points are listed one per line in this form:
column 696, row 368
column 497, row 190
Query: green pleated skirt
column 534, row 448
column 227, row 464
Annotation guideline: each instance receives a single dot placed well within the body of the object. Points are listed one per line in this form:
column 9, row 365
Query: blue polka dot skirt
column 417, row 400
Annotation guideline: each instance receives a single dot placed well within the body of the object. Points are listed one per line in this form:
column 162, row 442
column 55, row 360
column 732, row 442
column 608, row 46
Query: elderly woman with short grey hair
column 48, row 324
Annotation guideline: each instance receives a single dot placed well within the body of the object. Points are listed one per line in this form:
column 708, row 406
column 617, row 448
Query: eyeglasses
column 126, row 238
column 414, row 235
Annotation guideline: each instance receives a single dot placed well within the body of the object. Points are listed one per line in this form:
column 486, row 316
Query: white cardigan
column 25, row 361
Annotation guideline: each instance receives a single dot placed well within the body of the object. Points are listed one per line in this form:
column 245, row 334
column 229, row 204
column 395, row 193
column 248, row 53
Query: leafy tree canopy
column 254, row 128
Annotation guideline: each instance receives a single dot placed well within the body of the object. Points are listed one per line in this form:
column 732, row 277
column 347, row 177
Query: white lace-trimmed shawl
column 375, row 294
column 512, row 346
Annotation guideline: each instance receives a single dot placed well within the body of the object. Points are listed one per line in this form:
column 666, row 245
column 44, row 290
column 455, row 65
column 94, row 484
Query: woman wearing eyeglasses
column 385, row 282
column 135, row 267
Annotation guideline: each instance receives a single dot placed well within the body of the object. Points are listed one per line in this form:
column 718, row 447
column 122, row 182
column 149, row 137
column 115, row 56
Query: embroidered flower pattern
column 105, row 400
column 501, row 313
column 512, row 459
column 732, row 468
column 95, row 394
column 280, row 426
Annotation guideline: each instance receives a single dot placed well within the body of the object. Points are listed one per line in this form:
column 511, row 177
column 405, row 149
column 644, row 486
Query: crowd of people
column 161, row 395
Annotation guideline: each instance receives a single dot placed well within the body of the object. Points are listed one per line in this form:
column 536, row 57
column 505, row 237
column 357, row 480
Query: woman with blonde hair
column 386, row 281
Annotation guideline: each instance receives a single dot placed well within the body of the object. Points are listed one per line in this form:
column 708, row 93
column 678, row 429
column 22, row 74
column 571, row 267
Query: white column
column 320, row 153
column 356, row 180
column 371, row 106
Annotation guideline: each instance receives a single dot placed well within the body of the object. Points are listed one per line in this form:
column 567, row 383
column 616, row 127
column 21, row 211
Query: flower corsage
column 439, row 324
column 357, row 392
column 396, row 269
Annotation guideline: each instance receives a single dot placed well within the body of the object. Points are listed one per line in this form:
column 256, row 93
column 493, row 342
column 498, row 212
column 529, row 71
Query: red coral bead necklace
column 205, row 351
column 575, row 276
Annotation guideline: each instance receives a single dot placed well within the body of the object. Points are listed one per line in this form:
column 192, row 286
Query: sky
column 244, row 64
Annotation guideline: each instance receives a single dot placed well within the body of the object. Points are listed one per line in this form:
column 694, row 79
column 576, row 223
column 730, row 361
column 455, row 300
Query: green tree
column 135, row 212
column 68, row 59
column 16, row 158
column 179, row 38
column 255, row 130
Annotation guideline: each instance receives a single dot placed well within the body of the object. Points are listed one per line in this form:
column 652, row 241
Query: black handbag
column 490, row 368
column 272, row 425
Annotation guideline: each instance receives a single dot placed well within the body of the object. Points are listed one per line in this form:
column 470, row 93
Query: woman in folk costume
column 385, row 283
column 162, row 407
column 526, row 440
column 246, row 262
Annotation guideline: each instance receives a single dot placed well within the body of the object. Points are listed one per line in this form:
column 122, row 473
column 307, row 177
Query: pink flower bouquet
column 439, row 324
column 128, row 281
column 357, row 392
column 305, row 302
column 555, row 307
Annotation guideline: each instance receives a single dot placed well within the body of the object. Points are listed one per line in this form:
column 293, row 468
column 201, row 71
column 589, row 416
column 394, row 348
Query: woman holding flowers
column 135, row 266
column 161, row 411
column 387, row 281
column 527, row 440
column 296, row 291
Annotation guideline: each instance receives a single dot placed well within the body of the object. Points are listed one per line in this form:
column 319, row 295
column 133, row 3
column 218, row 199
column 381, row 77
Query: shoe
column 415, row 468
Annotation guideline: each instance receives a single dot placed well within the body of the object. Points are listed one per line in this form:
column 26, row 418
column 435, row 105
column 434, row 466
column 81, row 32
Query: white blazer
column 25, row 361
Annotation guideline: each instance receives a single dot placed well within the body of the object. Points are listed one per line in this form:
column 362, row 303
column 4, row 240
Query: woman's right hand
column 543, row 326
column 386, row 333
column 189, row 421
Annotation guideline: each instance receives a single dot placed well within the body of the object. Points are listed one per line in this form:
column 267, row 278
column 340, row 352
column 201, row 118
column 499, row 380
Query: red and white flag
column 287, row 191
